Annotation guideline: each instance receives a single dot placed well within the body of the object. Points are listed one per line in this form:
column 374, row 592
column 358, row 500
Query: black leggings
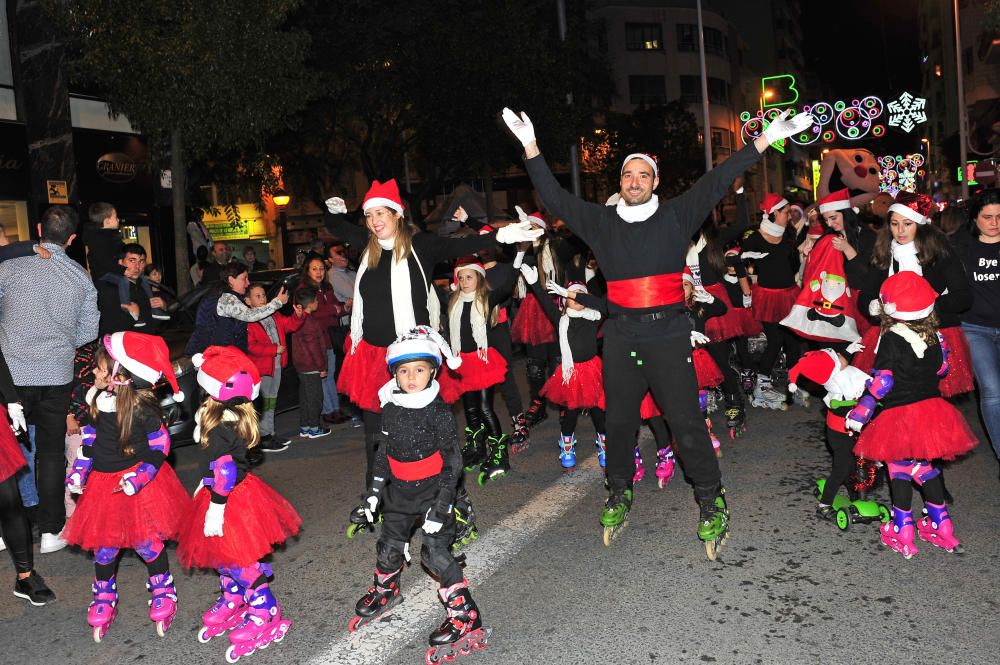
column 568, row 418
column 778, row 337
column 478, row 406
column 158, row 566
column 842, row 448
column 730, row 379
column 508, row 390
column 902, row 492
column 743, row 352
column 541, row 363
column 14, row 526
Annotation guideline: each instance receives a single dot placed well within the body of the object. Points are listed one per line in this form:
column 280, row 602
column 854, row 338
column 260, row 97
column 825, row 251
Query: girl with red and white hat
column 130, row 497
column 472, row 316
column 394, row 275
column 914, row 428
column 235, row 519
column 909, row 242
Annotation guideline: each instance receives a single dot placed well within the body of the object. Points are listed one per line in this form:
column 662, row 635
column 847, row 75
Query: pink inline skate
column 226, row 614
column 104, row 608
column 664, row 466
column 898, row 533
column 640, row 470
column 936, row 528
column 262, row 624
column 163, row 604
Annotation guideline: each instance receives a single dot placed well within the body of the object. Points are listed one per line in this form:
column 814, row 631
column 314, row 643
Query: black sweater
column 105, row 453
column 777, row 270
column 982, row 264
column 709, row 275
column 913, row 379
column 103, row 248
column 581, row 333
column 378, row 326
column 224, row 440
column 652, row 247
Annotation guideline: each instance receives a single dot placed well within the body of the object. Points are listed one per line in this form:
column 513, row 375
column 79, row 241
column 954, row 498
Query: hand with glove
column 371, row 506
column 855, row 347
column 519, row 259
column 556, row 289
column 747, row 300
column 134, row 481
column 460, row 215
column 698, row 339
column 436, row 516
column 782, row 127
column 530, row 273
column 215, row 516
column 518, row 232
column 336, row 205
column 520, row 126
column 17, row 421
column 701, row 295
column 859, row 416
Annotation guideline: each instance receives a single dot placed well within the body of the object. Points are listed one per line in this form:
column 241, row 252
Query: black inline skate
column 382, row 596
column 462, row 631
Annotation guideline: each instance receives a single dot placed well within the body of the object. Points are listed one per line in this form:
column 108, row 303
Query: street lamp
column 281, row 200
column 927, row 152
column 767, row 93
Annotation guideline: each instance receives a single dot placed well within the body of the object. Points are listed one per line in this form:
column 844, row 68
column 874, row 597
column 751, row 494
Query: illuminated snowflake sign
column 900, row 172
column 907, row 112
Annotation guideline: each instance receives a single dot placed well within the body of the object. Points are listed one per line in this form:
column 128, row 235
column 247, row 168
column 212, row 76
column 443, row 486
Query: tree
column 199, row 79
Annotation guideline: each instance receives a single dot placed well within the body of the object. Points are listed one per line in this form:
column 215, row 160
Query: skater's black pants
column 779, row 337
column 403, row 509
column 842, row 448
column 373, row 428
column 663, row 367
column 568, row 418
column 45, row 407
column 730, row 379
column 902, row 492
column 541, row 363
column 478, row 405
column 502, row 343
column 743, row 352
column 14, row 527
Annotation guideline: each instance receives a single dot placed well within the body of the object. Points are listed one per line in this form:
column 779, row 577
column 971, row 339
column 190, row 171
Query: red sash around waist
column 644, row 292
column 501, row 315
column 419, row 470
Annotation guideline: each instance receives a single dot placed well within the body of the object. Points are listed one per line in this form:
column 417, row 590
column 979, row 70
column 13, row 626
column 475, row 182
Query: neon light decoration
column 907, row 112
column 900, row 172
column 778, row 83
column 852, row 120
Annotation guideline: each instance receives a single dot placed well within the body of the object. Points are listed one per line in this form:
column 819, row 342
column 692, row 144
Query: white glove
column 701, row 295
column 336, row 205
column 214, row 518
column 782, row 128
column 17, row 421
column 747, row 300
column 518, row 232
column 875, row 307
column 127, row 487
column 530, row 273
column 371, row 504
column 520, row 126
column 518, row 260
column 460, row 214
column 697, row 339
column 853, row 425
column 431, row 526
column 557, row 290
column 855, row 347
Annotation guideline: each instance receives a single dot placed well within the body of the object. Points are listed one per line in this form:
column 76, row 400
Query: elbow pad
column 159, row 440
column 87, row 436
column 224, row 473
column 880, row 384
column 861, row 413
column 82, row 465
column 139, row 478
column 945, row 353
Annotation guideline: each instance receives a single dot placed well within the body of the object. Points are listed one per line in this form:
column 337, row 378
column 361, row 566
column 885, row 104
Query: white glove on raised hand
column 782, row 127
column 518, row 232
column 557, row 290
column 214, row 518
column 519, row 260
column 701, row 295
column 430, row 525
column 697, row 339
column 520, row 126
column 460, row 214
column 17, row 421
column 336, row 205
column 521, row 215
column 747, row 300
column 855, row 347
column 371, row 504
column 530, row 273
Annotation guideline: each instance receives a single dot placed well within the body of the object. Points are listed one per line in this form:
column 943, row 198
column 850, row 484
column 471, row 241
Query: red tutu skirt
column 105, row 517
column 772, row 305
column 929, row 429
column 473, row 374
column 708, row 373
column 584, row 390
column 864, row 360
column 649, row 408
column 959, row 378
column 531, row 326
column 736, row 322
column 363, row 373
column 11, row 458
column 257, row 518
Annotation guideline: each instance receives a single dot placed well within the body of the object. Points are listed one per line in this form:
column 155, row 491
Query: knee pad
column 390, row 554
column 104, row 556
column 149, row 551
column 919, row 471
column 436, row 558
column 535, row 369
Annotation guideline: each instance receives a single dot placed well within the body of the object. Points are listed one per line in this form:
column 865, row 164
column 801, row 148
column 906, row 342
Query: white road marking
column 420, row 611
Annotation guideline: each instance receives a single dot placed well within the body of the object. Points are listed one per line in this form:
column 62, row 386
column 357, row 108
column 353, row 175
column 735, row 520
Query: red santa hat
column 227, row 374
column 537, row 219
column 146, row 357
column 817, row 366
column 467, row 263
column 486, row 229
column 915, row 207
column 771, row 203
column 649, row 159
column 577, row 287
column 383, row 194
column 906, row 296
column 839, row 200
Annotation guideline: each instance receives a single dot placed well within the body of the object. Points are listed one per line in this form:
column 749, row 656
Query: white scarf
column 906, row 257
column 545, row 266
column 587, row 314
column 693, row 264
column 477, row 317
column 916, row 342
column 402, row 301
column 390, row 392
column 107, row 401
column 637, row 213
column 772, row 229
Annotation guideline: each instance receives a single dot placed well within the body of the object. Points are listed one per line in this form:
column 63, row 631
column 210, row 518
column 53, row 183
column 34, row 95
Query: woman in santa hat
column 130, row 497
column 236, row 519
column 774, row 250
column 914, row 429
column 394, row 275
column 909, row 242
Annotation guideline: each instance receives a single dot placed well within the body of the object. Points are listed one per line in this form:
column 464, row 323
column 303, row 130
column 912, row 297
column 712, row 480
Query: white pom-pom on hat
column 889, row 308
column 454, row 362
column 197, row 359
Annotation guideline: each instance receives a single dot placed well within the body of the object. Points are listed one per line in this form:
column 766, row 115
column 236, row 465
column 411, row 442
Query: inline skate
column 664, row 466
column 462, row 631
column 599, row 441
column 104, row 608
column 614, row 516
column 497, row 463
column 898, row 533
column 766, row 397
column 465, row 521
column 359, row 521
column 567, row 451
column 713, row 526
column 473, row 451
column 936, row 528
column 640, row 470
column 262, row 624
column 226, row 613
column 381, row 597
column 163, row 604
column 736, row 417
column 519, row 435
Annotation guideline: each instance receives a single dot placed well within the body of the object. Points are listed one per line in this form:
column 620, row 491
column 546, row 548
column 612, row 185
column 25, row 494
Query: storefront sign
column 116, row 167
column 246, row 224
column 58, row 192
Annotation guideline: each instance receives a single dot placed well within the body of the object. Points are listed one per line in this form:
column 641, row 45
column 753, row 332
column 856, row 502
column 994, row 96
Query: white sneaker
column 51, row 542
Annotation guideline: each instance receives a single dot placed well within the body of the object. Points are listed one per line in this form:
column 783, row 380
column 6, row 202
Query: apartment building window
column 722, row 139
column 690, row 89
column 687, row 38
column 715, row 42
column 718, row 90
column 643, row 36
column 647, row 90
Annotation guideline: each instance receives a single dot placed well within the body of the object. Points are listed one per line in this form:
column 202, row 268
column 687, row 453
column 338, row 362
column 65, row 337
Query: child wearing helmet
column 418, row 465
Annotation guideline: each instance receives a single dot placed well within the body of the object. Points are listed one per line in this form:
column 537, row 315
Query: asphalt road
column 786, row 588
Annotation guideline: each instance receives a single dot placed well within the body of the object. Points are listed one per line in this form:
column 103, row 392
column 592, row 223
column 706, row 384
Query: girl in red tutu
column 472, row 315
column 909, row 242
column 915, row 428
column 702, row 306
column 236, row 519
column 130, row 497
column 577, row 383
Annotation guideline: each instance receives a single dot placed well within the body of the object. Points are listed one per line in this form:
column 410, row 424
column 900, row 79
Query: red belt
column 419, row 470
column 645, row 292
column 501, row 315
column 835, row 422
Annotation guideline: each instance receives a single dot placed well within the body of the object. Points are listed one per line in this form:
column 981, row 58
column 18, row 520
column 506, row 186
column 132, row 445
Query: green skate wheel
column 883, row 514
column 843, row 520
column 482, row 478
